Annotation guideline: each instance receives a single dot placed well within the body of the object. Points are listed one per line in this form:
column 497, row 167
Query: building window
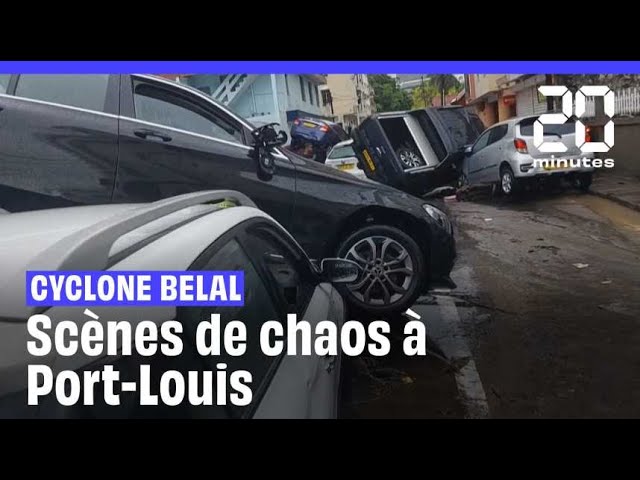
column 326, row 97
column 286, row 83
column 310, row 93
column 317, row 95
column 302, row 93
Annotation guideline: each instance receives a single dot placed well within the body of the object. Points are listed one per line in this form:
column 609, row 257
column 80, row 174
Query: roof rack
column 88, row 248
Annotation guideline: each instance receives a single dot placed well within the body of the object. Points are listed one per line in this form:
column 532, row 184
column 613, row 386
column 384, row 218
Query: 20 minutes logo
column 567, row 112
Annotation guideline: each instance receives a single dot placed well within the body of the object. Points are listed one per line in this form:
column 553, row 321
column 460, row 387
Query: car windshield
column 526, row 127
column 343, row 152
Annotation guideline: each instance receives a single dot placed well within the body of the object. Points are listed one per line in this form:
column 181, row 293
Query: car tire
column 582, row 181
column 392, row 269
column 409, row 158
column 508, row 183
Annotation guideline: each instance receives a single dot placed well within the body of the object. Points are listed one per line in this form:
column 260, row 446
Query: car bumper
column 442, row 258
column 524, row 166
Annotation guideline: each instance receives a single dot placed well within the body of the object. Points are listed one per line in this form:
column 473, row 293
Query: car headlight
column 438, row 215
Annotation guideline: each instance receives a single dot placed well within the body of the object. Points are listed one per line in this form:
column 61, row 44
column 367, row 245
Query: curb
column 618, row 200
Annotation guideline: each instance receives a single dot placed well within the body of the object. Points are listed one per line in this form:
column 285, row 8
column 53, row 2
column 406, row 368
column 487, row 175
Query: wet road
column 544, row 322
column 557, row 340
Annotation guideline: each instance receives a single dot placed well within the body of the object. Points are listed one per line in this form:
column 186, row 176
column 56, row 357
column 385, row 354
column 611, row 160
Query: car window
column 4, row 83
column 258, row 308
column 83, row 91
column 526, row 127
column 482, row 141
column 158, row 105
column 286, row 267
column 497, row 133
column 343, row 152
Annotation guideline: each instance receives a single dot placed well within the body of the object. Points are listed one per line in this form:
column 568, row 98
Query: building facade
column 263, row 98
column 348, row 99
column 499, row 97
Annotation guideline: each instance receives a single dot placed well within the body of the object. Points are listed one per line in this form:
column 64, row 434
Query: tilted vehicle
column 70, row 140
column 320, row 134
column 415, row 151
column 505, row 155
column 216, row 230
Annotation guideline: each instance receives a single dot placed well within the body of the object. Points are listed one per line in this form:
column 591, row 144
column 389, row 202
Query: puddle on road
column 621, row 217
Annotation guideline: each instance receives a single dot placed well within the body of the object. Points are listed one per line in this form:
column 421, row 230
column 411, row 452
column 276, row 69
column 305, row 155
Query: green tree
column 443, row 84
column 423, row 94
column 387, row 95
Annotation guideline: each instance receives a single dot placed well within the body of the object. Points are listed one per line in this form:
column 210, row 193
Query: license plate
column 346, row 166
column 558, row 166
column 309, row 124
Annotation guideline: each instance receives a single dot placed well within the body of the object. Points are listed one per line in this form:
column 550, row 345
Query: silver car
column 505, row 155
column 216, row 230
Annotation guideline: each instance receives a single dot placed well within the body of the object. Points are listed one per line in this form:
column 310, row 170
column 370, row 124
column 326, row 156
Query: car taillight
column 587, row 134
column 521, row 145
column 296, row 122
column 324, row 128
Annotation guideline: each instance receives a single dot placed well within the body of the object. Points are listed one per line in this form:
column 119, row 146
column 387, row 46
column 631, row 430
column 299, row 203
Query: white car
column 215, row 230
column 343, row 157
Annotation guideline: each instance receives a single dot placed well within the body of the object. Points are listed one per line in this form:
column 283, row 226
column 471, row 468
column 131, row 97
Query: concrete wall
column 489, row 115
column 626, row 150
column 484, row 83
column 295, row 98
column 257, row 100
column 505, row 111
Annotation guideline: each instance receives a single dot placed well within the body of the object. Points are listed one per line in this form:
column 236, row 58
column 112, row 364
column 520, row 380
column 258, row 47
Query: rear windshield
column 526, row 127
column 343, row 152
column 459, row 127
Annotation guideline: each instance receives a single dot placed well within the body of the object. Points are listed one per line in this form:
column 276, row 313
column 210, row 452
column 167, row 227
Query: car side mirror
column 468, row 149
column 339, row 270
column 265, row 140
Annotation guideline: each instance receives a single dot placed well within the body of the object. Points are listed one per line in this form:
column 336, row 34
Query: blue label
column 135, row 288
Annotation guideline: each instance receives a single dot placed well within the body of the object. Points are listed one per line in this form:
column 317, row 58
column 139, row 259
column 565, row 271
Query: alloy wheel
column 410, row 159
column 507, row 182
column 387, row 270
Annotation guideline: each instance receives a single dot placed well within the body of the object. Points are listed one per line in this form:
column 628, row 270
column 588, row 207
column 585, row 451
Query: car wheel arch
column 504, row 164
column 373, row 215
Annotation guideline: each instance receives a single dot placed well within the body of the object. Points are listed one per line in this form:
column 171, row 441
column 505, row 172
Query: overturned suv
column 416, row 151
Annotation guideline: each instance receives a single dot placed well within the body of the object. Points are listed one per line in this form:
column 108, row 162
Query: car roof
column 88, row 238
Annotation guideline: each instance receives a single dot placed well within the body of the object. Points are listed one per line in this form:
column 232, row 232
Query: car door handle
column 146, row 133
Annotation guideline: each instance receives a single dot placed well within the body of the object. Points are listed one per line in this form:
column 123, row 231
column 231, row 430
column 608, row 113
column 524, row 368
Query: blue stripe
column 314, row 67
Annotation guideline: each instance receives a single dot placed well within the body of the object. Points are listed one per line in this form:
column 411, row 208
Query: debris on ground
column 488, row 219
column 581, row 265
column 605, row 282
column 553, row 248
